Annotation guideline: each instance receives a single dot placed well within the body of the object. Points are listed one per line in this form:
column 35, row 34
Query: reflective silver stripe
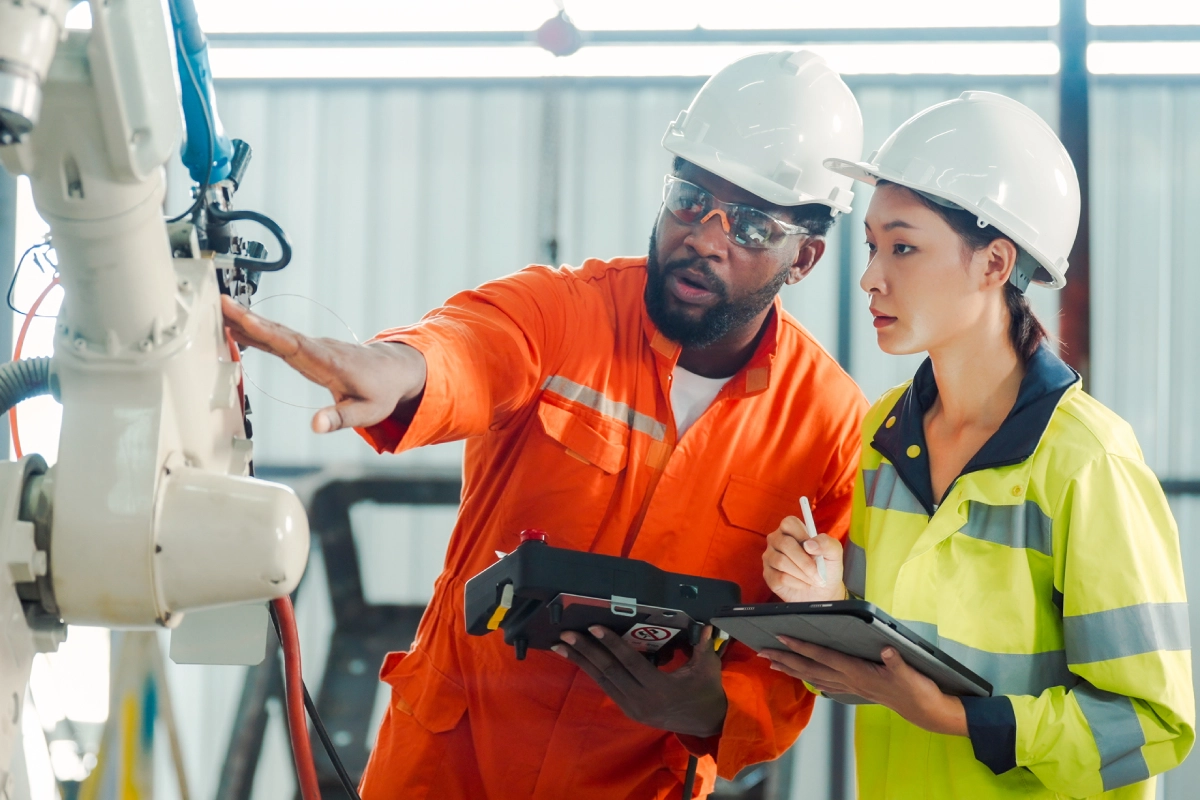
column 1008, row 673
column 1014, row 673
column 1128, row 631
column 884, row 490
column 1022, row 526
column 578, row 393
column 854, row 568
column 1118, row 735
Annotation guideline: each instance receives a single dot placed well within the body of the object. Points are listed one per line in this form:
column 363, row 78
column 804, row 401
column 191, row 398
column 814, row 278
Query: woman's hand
column 790, row 567
column 893, row 683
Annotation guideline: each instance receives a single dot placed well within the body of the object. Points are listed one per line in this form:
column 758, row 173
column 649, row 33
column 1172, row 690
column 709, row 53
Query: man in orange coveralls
column 662, row 408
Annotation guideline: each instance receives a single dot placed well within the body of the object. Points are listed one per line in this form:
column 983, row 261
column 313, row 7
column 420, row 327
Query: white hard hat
column 994, row 157
column 766, row 123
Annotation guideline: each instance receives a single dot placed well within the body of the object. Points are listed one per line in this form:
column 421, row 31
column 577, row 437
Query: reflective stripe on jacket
column 1052, row 569
column 559, row 383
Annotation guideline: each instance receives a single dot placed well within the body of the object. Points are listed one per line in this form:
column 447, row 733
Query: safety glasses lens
column 686, row 201
column 747, row 226
column 752, row 228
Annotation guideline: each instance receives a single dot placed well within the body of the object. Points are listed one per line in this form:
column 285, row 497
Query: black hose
column 689, row 781
column 21, row 380
column 257, row 264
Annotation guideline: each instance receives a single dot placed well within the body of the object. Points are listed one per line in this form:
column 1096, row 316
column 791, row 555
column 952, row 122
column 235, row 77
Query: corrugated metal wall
column 1145, row 281
column 397, row 196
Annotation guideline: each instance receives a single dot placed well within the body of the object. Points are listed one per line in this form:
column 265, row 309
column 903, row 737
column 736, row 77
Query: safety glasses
column 745, row 226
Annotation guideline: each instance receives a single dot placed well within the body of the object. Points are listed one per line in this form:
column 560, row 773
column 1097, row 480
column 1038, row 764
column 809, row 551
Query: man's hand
column 790, row 567
column 369, row 383
column 893, row 683
column 689, row 700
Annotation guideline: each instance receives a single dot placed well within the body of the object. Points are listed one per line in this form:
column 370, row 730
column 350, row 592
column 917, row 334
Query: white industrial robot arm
column 148, row 513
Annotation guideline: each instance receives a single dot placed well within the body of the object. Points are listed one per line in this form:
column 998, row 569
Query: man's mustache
column 699, row 265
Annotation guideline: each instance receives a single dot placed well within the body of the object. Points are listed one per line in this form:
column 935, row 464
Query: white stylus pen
column 806, row 509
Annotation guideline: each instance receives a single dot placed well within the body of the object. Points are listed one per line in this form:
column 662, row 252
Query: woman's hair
column 1025, row 330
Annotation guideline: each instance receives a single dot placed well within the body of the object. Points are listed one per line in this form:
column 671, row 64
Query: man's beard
column 716, row 321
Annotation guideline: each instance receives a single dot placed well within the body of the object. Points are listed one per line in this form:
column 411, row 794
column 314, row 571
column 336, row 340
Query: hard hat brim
column 752, row 182
column 870, row 174
column 858, row 170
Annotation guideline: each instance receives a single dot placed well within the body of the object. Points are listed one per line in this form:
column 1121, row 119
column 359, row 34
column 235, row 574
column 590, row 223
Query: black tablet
column 853, row 627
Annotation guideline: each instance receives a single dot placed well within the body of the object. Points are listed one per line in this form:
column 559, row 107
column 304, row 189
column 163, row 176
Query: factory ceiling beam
column 1101, row 33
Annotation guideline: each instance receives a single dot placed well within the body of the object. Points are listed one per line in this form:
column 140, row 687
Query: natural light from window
column 382, row 16
column 1143, row 12
column 234, row 62
column 1144, row 58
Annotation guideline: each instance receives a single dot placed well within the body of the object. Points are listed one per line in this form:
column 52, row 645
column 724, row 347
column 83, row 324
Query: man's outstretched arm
column 463, row 369
column 369, row 383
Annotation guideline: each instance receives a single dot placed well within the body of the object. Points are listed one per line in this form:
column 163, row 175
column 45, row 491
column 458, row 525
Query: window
column 381, row 16
column 1143, row 12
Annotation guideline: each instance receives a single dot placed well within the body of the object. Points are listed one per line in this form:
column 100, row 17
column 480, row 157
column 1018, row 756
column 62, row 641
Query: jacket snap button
column 1016, row 490
column 914, row 451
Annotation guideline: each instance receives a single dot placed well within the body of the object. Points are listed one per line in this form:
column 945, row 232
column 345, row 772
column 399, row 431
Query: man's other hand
column 689, row 700
column 369, row 383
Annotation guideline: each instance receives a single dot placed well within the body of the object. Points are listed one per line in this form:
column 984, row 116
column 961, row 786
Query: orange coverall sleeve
column 484, row 350
column 767, row 709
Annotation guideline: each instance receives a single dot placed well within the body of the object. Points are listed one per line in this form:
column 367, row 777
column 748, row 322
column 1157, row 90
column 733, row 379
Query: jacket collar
column 754, row 378
column 901, row 438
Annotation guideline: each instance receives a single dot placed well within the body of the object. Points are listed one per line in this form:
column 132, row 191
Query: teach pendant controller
column 537, row 592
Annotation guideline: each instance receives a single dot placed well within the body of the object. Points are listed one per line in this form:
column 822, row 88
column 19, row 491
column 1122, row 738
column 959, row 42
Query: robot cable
column 29, row 317
column 211, row 133
column 283, row 616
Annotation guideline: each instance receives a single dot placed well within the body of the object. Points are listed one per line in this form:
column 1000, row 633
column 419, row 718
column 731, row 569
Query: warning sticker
column 649, row 638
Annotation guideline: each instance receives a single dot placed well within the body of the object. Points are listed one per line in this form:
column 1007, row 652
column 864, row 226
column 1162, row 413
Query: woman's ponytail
column 1025, row 330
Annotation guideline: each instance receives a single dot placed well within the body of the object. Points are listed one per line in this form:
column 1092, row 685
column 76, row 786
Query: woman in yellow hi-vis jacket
column 1000, row 511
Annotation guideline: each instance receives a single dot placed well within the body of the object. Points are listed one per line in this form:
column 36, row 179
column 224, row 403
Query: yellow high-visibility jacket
column 1051, row 568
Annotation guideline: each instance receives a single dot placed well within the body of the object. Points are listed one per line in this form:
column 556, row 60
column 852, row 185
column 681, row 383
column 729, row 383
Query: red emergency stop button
column 533, row 535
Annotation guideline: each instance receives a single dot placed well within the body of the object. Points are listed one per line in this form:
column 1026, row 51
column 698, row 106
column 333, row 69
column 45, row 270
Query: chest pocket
column 583, row 440
column 563, row 479
column 755, row 506
column 749, row 511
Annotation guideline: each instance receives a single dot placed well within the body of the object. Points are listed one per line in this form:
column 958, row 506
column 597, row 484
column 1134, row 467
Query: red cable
column 306, row 770
column 289, row 640
column 29, row 317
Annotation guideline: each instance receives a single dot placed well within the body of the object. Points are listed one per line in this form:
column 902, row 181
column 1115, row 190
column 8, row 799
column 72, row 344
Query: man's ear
column 810, row 253
column 1001, row 259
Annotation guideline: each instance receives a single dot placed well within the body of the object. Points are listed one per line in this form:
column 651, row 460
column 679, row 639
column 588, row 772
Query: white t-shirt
column 691, row 395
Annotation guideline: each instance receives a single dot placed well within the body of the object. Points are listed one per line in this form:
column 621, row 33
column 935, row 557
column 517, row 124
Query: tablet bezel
column 877, row 626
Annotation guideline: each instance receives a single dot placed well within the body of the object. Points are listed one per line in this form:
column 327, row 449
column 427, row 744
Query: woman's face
column 926, row 288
